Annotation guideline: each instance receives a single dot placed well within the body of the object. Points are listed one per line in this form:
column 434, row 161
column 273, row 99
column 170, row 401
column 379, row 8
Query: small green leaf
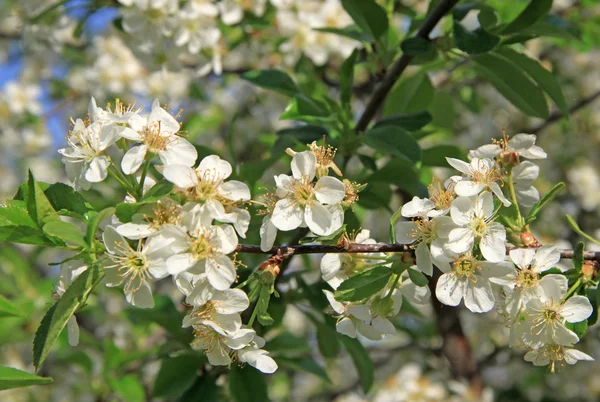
column 364, row 285
column 347, row 78
column 393, row 140
column 512, row 83
column 544, row 78
column 94, row 221
column 306, row 365
column 56, row 318
column 412, row 94
column 545, row 200
column 580, row 328
column 362, row 362
column 478, row 41
column 408, row 121
column 309, row 110
column 247, row 384
column 64, row 197
column 274, row 80
column 176, row 375
column 39, row 208
column 436, row 155
column 65, row 231
column 263, row 305
column 7, row 309
column 368, row 15
column 534, row 12
column 578, row 256
column 129, row 388
column 158, row 191
column 578, row 230
column 13, row 378
column 416, row 46
column 399, row 267
column 417, row 277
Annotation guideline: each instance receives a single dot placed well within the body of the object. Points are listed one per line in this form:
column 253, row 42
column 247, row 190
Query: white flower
column 304, row 203
column 268, row 233
column 479, row 175
column 546, row 315
column 232, row 11
column 465, row 277
column 207, row 299
column 137, row 268
column 523, row 175
column 149, row 220
column 521, row 144
column 523, row 284
column 206, row 184
column 21, row 97
column 257, row 357
column 552, row 354
column 120, row 115
column 157, row 134
column 474, row 216
column 85, row 160
column 205, row 248
column 69, row 271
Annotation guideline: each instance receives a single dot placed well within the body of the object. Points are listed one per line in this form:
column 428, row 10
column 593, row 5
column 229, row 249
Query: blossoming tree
column 220, row 249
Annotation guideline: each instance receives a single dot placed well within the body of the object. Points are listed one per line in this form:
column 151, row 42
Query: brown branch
column 557, row 115
column 400, row 65
column 353, row 248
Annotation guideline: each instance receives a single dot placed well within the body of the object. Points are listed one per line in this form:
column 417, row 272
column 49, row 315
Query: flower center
column 302, row 192
column 484, row 174
column 442, row 198
column 154, row 139
column 133, row 268
column 165, row 212
column 466, row 267
column 424, row 232
column 527, row 279
column 206, row 312
column 201, row 247
column 478, row 225
column 204, row 191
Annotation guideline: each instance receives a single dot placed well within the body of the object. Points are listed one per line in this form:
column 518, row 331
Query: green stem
column 513, row 196
column 143, row 177
column 573, row 289
column 253, row 317
column 394, row 284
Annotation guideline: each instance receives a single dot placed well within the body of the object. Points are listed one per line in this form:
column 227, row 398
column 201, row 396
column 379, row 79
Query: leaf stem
column 573, row 289
column 513, row 196
column 143, row 177
column 394, row 284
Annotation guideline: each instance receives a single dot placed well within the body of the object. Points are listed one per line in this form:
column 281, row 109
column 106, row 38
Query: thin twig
column 400, row 65
column 353, row 248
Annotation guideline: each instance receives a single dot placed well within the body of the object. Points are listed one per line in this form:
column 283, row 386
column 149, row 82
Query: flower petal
column 479, row 297
column 304, row 165
column 449, row 290
column 220, row 272
column 234, row 190
column 215, row 167
column 329, row 190
column 97, row 169
column 318, row 219
column 576, row 309
column 179, row 152
column 133, row 159
column 287, row 215
column 180, row 175
column 180, row 263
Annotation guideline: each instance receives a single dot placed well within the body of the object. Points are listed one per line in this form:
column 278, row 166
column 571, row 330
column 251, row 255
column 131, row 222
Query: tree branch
column 353, row 248
column 400, row 65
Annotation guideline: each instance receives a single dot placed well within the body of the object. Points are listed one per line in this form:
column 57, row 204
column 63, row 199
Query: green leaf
column 402, row 173
column 176, row 375
column 247, row 385
column 274, row 80
column 578, row 256
column 364, row 285
column 443, row 111
column 263, row 305
column 417, row 277
column 368, row 15
column 412, row 94
column 204, row 389
column 13, row 378
column 158, row 191
column 545, row 200
column 129, row 388
column 393, row 140
column 534, row 12
column 15, row 214
column 512, row 83
column 288, row 344
column 306, row 365
column 436, row 155
column 7, row 309
column 65, row 231
column 165, row 314
column 39, row 208
column 56, row 318
column 478, row 41
column 416, row 46
column 398, row 267
column 347, row 78
column 578, row 230
column 393, row 221
column 64, row 197
column 94, row 221
column 544, row 78
column 25, row 235
column 487, row 17
column 306, row 109
column 580, row 328
column 554, row 26
column 407, row 121
column 297, row 136
column 362, row 362
column 328, row 340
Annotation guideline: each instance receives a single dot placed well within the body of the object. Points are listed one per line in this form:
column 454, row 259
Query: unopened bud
column 529, row 240
column 589, row 269
column 271, row 267
column 509, row 158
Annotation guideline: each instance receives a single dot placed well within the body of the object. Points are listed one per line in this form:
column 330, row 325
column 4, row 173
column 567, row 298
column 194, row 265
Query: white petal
column 521, row 142
column 73, row 331
column 318, row 219
column 304, row 165
column 363, row 313
column 574, row 355
column 492, row 247
column 287, row 215
column 235, row 190
column 417, row 207
column 220, row 272
column 181, row 175
column 335, row 305
column 525, row 173
column 460, row 240
column 330, row 266
column 231, row 301
column 224, row 236
column 404, row 229
column 553, row 287
column 216, row 167
column 180, row 263
column 522, row 257
column 495, row 187
column 479, row 297
column 346, row 326
column 179, row 152
column 545, row 258
column 167, row 123
column 459, row 165
column 97, row 169
column 576, row 309
column 130, row 134
column 141, row 297
column 135, row 231
column 329, row 190
column 460, row 211
column 266, row 364
column 564, row 336
column 113, row 241
column 133, row 159
column 424, row 259
column 449, row 290
column 467, row 188
column 268, row 233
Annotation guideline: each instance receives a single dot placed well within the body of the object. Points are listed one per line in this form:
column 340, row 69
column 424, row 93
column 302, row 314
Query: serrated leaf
column 362, row 362
column 417, row 277
column 65, row 231
column 56, row 318
column 512, row 83
column 578, row 256
column 7, row 309
column 274, row 80
column 544, row 78
column 534, row 12
column 247, row 385
column 408, row 121
column 393, row 140
column 478, row 41
column 62, row 196
column 13, row 378
column 176, row 375
column 39, row 208
column 545, row 200
column 364, row 285
column 368, row 15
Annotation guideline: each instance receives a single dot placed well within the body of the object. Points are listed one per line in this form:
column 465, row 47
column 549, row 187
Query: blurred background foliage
column 463, row 88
